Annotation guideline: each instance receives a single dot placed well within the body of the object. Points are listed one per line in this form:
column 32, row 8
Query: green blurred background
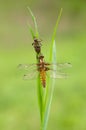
column 18, row 98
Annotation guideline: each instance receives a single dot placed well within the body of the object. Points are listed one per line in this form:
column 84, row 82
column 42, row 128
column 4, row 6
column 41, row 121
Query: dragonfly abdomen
column 43, row 78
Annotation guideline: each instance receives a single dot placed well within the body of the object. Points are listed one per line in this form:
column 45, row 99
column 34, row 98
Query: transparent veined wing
column 56, row 74
column 27, row 67
column 59, row 66
column 31, row 75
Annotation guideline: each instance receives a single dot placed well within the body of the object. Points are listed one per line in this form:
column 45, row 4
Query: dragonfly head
column 41, row 57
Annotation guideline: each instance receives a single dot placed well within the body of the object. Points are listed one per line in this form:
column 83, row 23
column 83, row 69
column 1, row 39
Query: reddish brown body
column 43, row 78
column 42, row 69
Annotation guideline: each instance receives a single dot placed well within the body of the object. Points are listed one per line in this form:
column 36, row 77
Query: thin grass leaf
column 50, row 92
column 35, row 23
column 39, row 85
column 50, row 85
column 32, row 32
column 41, row 99
column 56, row 26
column 39, row 93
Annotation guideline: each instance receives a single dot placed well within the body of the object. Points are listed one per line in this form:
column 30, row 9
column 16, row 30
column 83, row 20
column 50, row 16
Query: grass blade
column 39, row 85
column 32, row 32
column 35, row 23
column 39, row 93
column 56, row 26
column 50, row 85
column 50, row 92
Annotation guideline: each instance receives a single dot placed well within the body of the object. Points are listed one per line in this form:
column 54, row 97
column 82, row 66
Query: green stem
column 50, row 85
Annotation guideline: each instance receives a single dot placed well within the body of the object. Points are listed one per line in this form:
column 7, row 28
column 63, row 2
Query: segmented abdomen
column 43, row 78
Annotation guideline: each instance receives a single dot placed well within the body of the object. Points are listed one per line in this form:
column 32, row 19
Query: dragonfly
column 42, row 68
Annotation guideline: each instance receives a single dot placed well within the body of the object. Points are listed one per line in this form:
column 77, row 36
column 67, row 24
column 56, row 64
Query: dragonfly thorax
column 42, row 67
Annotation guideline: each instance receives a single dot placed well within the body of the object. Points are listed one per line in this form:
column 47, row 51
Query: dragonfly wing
column 27, row 66
column 58, row 66
column 31, row 75
column 58, row 75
